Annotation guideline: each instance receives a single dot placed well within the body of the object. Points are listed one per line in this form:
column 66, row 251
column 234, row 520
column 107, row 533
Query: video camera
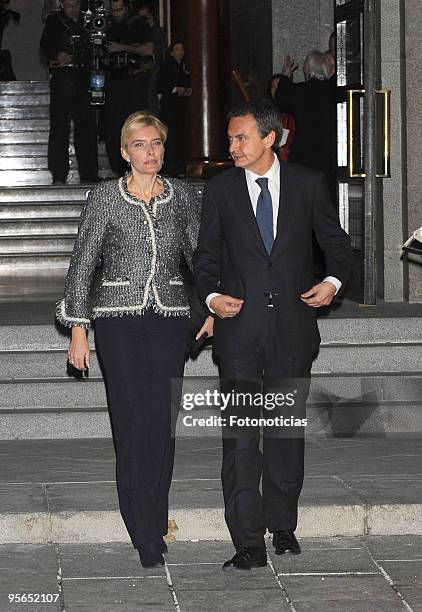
column 95, row 25
column 95, row 21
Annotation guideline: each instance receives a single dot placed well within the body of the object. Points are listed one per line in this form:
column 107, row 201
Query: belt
column 270, row 297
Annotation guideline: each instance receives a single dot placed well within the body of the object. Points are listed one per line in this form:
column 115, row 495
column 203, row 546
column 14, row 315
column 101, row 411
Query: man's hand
column 226, row 306
column 63, row 59
column 320, row 295
column 289, row 66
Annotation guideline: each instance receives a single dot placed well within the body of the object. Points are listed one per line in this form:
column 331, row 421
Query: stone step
column 37, row 227
column 28, row 112
column 40, row 210
column 22, row 162
column 331, row 359
column 24, row 87
column 345, row 332
column 12, row 137
column 93, row 422
column 41, row 244
column 21, row 178
column 47, row 193
column 24, row 99
column 69, row 394
column 65, row 491
column 32, row 149
column 368, row 330
column 20, row 125
column 34, row 264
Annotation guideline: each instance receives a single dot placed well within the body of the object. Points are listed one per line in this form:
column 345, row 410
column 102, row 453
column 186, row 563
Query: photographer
column 129, row 65
column 6, row 16
column 64, row 44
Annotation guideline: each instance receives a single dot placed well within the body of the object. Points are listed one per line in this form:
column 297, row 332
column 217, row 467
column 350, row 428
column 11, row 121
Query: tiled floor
column 343, row 574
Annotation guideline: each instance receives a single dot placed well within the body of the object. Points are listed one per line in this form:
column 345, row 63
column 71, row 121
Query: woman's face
column 178, row 52
column 144, row 150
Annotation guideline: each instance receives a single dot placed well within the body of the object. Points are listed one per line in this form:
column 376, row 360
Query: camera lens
column 99, row 24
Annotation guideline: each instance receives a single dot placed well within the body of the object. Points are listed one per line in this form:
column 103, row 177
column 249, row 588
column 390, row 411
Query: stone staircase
column 367, row 380
column 24, row 126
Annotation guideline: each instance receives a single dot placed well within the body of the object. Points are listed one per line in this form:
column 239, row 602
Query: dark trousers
column 124, row 96
column 70, row 100
column 173, row 114
column 140, row 356
column 267, row 368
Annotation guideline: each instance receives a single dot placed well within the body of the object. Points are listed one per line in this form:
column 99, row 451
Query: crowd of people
column 120, row 58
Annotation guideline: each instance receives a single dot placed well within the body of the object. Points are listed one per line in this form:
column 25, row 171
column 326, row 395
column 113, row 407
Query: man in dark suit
column 253, row 268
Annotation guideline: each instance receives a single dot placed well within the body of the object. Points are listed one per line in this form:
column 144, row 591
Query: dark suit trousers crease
column 140, row 356
column 281, row 463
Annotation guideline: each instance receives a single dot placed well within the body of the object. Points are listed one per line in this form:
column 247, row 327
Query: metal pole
column 371, row 182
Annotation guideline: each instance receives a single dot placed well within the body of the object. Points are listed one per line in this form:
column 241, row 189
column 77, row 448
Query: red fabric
column 288, row 123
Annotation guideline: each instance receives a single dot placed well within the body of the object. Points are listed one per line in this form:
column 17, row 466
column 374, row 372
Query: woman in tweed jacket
column 140, row 227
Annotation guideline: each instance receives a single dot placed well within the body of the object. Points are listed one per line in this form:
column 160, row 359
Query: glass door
column 362, row 141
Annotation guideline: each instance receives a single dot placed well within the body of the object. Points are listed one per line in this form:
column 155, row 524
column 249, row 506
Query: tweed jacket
column 138, row 248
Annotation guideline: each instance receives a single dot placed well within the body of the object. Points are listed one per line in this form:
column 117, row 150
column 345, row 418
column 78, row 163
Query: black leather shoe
column 151, row 554
column 285, row 542
column 247, row 558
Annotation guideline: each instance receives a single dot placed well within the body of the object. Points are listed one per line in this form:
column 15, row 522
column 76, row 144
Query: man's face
column 71, row 7
column 118, row 10
column 246, row 146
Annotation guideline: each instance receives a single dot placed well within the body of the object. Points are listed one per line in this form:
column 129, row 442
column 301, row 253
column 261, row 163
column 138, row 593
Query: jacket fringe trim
column 99, row 313
column 67, row 321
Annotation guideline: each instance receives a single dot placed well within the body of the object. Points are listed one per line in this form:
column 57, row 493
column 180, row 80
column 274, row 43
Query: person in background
column 63, row 43
column 313, row 104
column 148, row 10
column 174, row 85
column 130, row 62
column 141, row 226
column 287, row 121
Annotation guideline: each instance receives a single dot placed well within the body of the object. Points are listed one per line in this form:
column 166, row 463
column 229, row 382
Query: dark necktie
column 264, row 214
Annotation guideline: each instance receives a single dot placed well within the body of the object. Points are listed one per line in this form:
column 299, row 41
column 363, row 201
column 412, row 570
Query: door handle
column 383, row 137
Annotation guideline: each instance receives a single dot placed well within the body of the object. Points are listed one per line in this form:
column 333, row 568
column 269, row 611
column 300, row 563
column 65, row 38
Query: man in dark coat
column 253, row 268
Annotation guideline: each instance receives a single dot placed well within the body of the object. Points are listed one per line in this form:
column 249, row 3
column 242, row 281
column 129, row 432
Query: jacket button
column 270, row 264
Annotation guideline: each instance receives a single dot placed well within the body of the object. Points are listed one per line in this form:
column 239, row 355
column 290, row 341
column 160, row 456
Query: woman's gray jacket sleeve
column 75, row 308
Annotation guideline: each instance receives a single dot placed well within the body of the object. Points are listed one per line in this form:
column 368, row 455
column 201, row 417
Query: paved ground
column 367, row 574
column 64, row 491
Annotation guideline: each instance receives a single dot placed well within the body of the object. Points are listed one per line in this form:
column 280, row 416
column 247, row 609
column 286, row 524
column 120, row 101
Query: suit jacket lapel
column 283, row 212
column 244, row 205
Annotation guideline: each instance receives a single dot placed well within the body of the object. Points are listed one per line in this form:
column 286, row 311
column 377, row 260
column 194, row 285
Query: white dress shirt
column 273, row 176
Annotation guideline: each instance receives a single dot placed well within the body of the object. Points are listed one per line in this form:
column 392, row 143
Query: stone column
column 201, row 25
column 394, row 192
column 413, row 59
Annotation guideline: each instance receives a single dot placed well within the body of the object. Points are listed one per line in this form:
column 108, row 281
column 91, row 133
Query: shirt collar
column 271, row 174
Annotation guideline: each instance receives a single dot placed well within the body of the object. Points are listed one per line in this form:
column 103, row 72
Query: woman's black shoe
column 151, row 554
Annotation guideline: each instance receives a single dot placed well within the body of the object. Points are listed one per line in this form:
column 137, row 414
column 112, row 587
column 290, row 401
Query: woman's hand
column 207, row 328
column 78, row 353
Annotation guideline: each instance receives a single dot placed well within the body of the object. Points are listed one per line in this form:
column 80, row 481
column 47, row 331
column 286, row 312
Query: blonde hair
column 316, row 66
column 142, row 119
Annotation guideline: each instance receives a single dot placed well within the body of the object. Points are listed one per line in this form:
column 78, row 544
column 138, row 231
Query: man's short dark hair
column 266, row 115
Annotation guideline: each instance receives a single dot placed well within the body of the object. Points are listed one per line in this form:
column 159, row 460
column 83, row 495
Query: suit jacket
column 231, row 258
column 313, row 104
